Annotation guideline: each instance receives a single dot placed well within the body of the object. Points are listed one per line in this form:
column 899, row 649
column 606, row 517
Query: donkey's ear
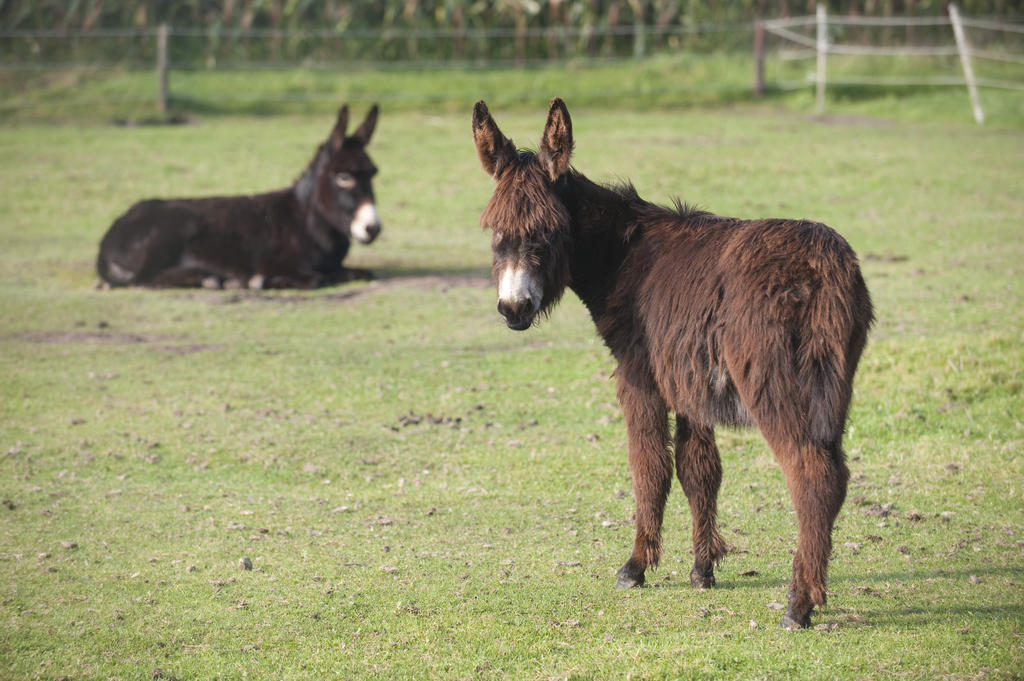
column 365, row 130
column 556, row 143
column 495, row 150
column 337, row 137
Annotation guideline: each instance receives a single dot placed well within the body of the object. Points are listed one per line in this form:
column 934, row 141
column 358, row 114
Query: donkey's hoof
column 629, row 576
column 702, row 580
column 790, row 622
column 627, row 582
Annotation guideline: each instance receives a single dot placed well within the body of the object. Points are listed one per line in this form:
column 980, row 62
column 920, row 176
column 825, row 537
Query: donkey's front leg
column 651, row 466
column 700, row 471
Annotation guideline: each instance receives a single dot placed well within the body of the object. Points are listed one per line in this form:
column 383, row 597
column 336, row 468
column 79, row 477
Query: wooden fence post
column 520, row 35
column 161, row 67
column 965, row 61
column 758, row 58
column 639, row 29
column 819, row 78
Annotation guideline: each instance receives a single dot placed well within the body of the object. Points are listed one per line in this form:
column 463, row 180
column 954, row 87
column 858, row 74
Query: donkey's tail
column 836, row 325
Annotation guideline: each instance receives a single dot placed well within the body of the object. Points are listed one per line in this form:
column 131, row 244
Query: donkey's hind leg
column 699, row 467
column 651, row 465
column 817, row 480
column 782, row 403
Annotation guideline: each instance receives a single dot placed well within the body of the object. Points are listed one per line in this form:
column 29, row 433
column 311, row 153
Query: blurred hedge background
column 208, row 32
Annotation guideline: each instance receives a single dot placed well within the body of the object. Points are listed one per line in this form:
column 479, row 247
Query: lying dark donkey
column 290, row 238
column 719, row 320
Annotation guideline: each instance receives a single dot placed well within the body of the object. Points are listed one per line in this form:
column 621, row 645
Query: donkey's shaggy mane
column 521, row 206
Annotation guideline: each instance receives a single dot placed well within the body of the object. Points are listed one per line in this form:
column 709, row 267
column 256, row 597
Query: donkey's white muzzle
column 365, row 224
column 519, row 297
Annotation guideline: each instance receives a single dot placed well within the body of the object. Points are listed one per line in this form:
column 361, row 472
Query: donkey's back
column 754, row 321
column 179, row 242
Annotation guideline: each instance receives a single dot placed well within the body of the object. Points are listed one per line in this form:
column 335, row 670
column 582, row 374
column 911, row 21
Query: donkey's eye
column 345, row 180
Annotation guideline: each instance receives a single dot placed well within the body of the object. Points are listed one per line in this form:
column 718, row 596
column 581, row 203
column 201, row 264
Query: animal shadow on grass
column 417, row 277
column 939, row 612
column 923, row 609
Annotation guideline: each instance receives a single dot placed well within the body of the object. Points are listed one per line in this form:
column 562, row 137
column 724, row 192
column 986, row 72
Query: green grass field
column 424, row 494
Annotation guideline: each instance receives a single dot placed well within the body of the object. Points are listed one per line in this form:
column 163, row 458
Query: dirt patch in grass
column 885, row 257
column 87, row 337
column 854, row 119
column 429, row 282
column 159, row 343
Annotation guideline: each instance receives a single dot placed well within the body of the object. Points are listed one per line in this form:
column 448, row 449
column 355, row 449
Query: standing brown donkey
column 719, row 320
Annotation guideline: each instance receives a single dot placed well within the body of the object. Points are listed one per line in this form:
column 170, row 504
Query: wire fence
column 198, row 48
column 863, row 51
column 207, row 48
